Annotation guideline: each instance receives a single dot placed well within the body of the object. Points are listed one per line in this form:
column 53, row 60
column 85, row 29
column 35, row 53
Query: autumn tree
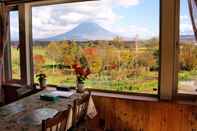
column 188, row 57
column 111, row 56
column 72, row 53
column 126, row 57
column 39, row 62
column 144, row 60
column 94, row 59
column 152, row 43
column 56, row 51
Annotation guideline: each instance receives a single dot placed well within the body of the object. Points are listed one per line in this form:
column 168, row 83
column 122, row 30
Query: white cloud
column 124, row 3
column 127, row 3
column 132, row 30
column 185, row 25
column 186, row 29
column 56, row 19
column 73, row 17
column 184, row 17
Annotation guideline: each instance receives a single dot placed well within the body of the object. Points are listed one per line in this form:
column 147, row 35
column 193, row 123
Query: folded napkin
column 49, row 97
column 91, row 112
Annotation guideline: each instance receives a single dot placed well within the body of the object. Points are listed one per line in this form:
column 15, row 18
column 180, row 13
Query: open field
column 115, row 65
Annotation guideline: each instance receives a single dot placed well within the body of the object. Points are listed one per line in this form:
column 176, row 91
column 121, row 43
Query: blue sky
column 123, row 17
column 185, row 22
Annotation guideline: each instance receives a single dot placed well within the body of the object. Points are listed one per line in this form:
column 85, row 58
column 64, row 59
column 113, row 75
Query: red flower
column 86, row 72
column 81, row 71
column 113, row 66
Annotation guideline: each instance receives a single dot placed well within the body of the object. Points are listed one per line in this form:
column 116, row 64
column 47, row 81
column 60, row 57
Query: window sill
column 13, row 84
column 181, row 99
column 137, row 97
column 126, row 96
column 116, row 94
column 186, row 99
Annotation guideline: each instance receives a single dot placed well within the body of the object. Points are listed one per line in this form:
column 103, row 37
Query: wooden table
column 10, row 114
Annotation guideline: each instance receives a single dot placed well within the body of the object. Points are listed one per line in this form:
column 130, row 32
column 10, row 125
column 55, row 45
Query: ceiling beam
column 41, row 2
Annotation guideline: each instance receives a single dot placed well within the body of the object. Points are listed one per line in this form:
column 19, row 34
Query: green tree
column 117, row 42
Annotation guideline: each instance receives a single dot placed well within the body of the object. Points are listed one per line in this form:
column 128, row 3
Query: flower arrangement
column 41, row 76
column 81, row 70
column 42, row 79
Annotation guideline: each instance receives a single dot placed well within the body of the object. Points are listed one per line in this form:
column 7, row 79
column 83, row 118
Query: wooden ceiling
column 11, row 2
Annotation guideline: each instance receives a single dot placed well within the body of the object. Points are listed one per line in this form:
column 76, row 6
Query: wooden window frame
column 7, row 53
column 51, row 2
column 24, row 50
column 181, row 96
column 169, row 39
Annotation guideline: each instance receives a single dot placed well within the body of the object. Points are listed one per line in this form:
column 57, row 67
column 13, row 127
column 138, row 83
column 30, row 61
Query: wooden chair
column 57, row 123
column 80, row 110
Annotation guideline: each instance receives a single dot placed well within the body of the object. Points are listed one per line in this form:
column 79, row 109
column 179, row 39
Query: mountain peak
column 85, row 31
column 88, row 23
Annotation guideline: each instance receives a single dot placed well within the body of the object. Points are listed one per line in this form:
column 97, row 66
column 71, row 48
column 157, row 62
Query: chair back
column 57, row 123
column 80, row 109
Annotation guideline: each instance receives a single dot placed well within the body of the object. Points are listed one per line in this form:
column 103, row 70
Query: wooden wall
column 130, row 115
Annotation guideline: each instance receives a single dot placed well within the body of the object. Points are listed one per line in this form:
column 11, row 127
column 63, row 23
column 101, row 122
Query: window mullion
column 25, row 37
column 168, row 41
column 7, row 55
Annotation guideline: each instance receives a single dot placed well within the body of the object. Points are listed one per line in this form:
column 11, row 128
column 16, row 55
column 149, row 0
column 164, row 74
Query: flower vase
column 80, row 86
column 43, row 83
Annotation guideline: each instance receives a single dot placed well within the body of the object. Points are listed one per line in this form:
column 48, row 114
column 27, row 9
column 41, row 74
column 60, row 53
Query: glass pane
column 119, row 48
column 14, row 38
column 188, row 53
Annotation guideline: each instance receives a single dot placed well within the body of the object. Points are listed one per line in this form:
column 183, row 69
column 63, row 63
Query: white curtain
column 193, row 15
column 3, row 41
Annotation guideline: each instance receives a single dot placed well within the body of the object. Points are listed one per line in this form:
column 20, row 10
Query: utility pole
column 136, row 43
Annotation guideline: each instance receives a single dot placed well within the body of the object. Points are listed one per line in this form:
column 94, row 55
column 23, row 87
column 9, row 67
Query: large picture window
column 118, row 40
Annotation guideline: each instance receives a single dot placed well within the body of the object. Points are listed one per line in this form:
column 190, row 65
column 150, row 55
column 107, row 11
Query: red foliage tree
column 39, row 60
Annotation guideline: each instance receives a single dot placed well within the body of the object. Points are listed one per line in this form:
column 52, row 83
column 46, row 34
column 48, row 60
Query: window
column 188, row 53
column 14, row 46
column 17, row 54
column 122, row 51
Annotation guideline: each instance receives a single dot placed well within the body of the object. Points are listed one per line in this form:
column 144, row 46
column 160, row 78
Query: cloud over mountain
column 56, row 19
column 118, row 16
